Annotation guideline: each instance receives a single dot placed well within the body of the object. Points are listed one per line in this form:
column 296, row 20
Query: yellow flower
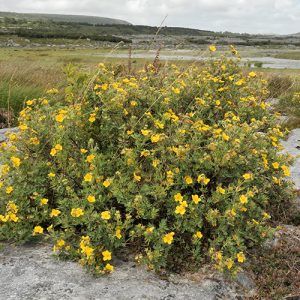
column 104, row 86
column 44, row 201
column 188, row 179
column 155, row 163
column 158, row 124
column 13, row 217
column 145, row 132
column 38, row 230
column 266, row 215
column 60, row 243
column 198, row 235
column 118, row 234
column 16, row 161
column 105, row 215
column 155, row 138
column 4, row 219
column 248, row 176
column 52, row 91
column 240, row 82
column 58, row 147
column 55, row 213
column 203, row 179
column 106, row 255
column 229, row 263
column 176, row 90
column 23, row 127
column 29, row 102
column 220, row 190
column 212, row 48
column 286, row 170
column 241, row 257
column 88, row 251
column 9, row 190
column 5, row 169
column 233, row 50
column 180, row 210
column 145, row 153
column 51, row 174
column 88, row 177
column 91, row 199
column 225, row 136
column 77, row 212
column 130, row 132
column 83, row 151
column 53, row 152
column 59, row 118
column 252, row 74
column 133, row 103
column 136, row 177
column 243, row 199
column 12, row 137
column 275, row 165
column 149, row 229
column 109, row 268
column 90, row 158
column 106, row 183
column 196, row 199
column 12, row 207
column 168, row 238
column 92, row 118
column 232, row 212
column 178, row 197
column 219, row 255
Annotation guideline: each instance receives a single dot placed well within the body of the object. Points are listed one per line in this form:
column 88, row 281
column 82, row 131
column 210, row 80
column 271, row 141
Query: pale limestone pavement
column 292, row 146
column 32, row 273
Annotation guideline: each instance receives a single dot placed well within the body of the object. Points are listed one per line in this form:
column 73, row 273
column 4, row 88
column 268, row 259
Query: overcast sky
column 253, row 16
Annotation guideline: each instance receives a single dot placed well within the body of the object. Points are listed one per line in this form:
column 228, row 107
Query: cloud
column 255, row 16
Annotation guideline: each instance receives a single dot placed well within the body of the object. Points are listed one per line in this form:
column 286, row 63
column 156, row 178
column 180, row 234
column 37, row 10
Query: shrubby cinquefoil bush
column 178, row 166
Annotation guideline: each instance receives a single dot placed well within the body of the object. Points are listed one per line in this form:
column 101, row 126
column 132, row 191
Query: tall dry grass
column 20, row 81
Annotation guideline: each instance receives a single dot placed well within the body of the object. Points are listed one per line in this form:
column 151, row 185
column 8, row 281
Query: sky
column 251, row 16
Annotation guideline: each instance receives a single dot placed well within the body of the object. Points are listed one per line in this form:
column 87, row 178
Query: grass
column 22, row 78
column 276, row 267
column 284, row 88
column 289, row 55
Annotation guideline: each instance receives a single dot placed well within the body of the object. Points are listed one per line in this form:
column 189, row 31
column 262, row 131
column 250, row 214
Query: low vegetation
column 179, row 166
column 286, row 90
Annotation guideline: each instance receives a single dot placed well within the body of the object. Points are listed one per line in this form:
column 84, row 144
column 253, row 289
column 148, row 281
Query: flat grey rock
column 32, row 273
column 292, row 146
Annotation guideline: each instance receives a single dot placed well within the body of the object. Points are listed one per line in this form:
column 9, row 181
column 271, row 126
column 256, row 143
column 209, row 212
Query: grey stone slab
column 292, row 146
column 32, row 273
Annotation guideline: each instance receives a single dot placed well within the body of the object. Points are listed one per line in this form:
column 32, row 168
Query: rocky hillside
column 64, row 18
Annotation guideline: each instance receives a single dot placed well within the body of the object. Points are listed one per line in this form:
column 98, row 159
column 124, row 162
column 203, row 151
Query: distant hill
column 24, row 29
column 64, row 18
